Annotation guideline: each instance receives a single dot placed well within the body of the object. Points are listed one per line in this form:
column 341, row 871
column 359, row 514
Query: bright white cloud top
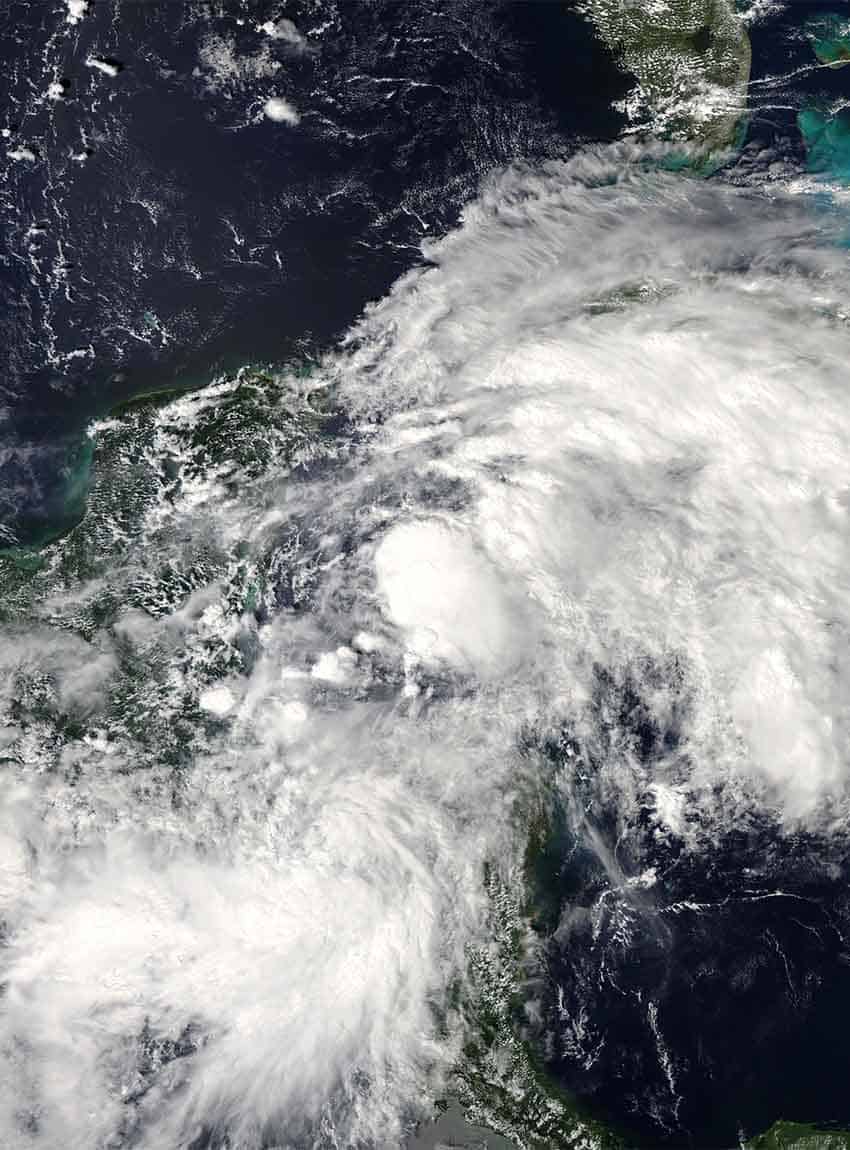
column 281, row 111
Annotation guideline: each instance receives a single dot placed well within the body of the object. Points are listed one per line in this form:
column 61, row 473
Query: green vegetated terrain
column 691, row 61
column 800, row 1136
column 500, row 1080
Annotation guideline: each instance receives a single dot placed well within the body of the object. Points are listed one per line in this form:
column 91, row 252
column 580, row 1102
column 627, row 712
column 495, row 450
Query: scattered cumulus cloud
column 109, row 68
column 281, row 111
column 225, row 69
column 285, row 31
column 76, row 10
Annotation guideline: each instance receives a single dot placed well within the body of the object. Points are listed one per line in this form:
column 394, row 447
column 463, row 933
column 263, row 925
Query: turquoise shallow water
column 826, row 130
column 830, row 37
column 66, row 505
column 827, row 141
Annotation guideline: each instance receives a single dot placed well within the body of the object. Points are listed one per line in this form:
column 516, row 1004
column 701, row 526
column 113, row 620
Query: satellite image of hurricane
column 425, row 575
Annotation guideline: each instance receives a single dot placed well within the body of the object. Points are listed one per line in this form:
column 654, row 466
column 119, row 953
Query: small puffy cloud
column 76, row 10
column 281, row 111
column 284, row 30
column 108, row 67
column 335, row 667
column 217, row 700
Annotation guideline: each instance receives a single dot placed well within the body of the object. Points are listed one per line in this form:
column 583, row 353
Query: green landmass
column 244, row 428
column 690, row 59
column 500, row 1081
column 799, row 1136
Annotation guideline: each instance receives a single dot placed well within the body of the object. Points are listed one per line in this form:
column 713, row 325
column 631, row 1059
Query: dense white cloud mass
column 281, row 111
column 447, row 599
column 76, row 10
column 614, row 424
column 640, row 379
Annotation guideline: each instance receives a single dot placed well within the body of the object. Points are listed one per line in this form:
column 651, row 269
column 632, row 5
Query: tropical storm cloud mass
column 449, row 714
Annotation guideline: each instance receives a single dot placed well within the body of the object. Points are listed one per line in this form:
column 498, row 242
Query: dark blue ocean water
column 710, row 998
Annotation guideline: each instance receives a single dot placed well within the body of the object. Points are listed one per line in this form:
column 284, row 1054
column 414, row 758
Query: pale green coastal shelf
column 830, row 36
